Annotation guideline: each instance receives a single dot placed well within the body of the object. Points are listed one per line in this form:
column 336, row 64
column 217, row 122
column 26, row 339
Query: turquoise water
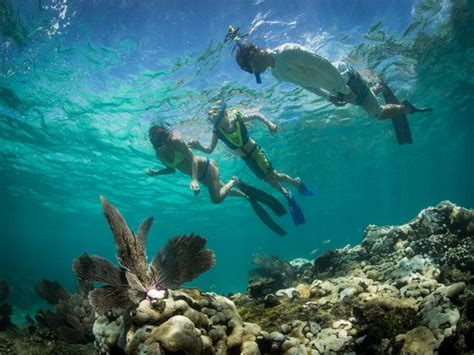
column 82, row 81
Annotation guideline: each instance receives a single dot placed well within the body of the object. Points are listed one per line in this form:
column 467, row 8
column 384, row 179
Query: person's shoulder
column 289, row 47
column 236, row 111
column 176, row 141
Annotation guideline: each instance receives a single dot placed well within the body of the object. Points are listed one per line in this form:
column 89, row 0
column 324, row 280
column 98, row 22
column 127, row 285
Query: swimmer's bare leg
column 296, row 182
column 273, row 180
column 227, row 188
column 394, row 110
column 377, row 89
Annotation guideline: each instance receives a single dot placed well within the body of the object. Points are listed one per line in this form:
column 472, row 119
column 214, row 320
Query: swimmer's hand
column 336, row 100
column 194, row 144
column 194, row 186
column 273, row 127
column 151, row 172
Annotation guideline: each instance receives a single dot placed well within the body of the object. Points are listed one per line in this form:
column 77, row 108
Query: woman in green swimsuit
column 229, row 127
column 174, row 153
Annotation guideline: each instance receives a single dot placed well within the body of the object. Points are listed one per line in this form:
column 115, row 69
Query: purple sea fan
column 182, row 259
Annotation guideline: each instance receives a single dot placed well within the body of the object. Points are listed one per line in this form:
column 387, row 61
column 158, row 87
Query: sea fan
column 182, row 259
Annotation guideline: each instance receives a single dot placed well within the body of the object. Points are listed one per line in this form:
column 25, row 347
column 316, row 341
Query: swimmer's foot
column 235, row 181
column 413, row 109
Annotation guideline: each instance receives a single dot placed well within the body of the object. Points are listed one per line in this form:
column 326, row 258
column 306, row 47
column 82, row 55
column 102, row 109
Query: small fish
column 327, row 241
column 314, row 251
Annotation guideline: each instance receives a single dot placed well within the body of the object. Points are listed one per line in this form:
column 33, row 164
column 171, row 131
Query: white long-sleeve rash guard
column 297, row 65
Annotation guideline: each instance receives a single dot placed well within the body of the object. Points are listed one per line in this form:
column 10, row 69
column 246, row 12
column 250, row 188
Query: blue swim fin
column 305, row 191
column 295, row 211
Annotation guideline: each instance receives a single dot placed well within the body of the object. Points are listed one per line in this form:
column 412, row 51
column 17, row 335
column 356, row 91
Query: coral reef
column 52, row 291
column 67, row 330
column 11, row 343
column 4, row 290
column 185, row 320
column 73, row 322
column 273, row 267
column 5, row 309
column 404, row 290
column 386, row 295
column 274, row 273
column 74, row 317
column 182, row 259
column 5, row 314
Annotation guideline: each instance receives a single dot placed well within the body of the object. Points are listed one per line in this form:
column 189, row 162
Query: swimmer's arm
column 166, row 171
column 209, row 149
column 319, row 92
column 272, row 127
column 183, row 148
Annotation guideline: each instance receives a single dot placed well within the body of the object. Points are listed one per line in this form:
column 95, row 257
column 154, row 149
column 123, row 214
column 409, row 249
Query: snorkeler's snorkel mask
column 248, row 66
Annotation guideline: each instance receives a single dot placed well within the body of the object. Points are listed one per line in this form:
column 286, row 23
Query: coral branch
column 182, row 259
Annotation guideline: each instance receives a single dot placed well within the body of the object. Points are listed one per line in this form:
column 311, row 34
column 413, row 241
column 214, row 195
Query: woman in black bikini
column 176, row 155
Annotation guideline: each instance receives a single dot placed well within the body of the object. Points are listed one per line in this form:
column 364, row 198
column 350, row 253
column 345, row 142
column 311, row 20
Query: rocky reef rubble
column 186, row 320
column 273, row 273
column 402, row 290
column 405, row 289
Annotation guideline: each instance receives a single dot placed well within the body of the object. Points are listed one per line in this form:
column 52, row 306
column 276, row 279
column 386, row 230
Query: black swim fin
column 414, row 109
column 263, row 197
column 400, row 123
column 265, row 218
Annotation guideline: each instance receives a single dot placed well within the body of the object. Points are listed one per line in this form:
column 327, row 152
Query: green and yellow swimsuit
column 256, row 159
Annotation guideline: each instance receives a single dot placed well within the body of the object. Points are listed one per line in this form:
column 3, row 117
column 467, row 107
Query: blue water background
column 80, row 88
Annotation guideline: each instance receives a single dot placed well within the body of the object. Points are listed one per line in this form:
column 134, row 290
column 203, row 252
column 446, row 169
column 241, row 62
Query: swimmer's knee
column 216, row 199
column 272, row 176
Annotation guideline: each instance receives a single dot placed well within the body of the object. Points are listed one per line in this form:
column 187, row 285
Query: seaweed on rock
column 182, row 259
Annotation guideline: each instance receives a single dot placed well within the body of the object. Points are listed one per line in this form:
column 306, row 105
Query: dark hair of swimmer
column 158, row 135
column 245, row 55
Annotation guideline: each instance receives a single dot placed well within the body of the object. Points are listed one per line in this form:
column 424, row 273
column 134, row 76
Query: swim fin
column 414, row 109
column 295, row 211
column 400, row 123
column 263, row 197
column 304, row 190
column 265, row 218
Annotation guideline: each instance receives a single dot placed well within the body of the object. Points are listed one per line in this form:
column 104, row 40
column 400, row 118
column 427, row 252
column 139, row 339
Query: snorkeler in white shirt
column 338, row 82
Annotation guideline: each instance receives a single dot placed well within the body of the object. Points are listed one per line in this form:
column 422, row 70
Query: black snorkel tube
column 220, row 114
column 233, row 34
column 257, row 78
